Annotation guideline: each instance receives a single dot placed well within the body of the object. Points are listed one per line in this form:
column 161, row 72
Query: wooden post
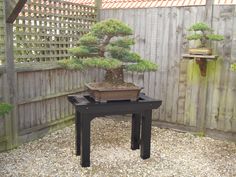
column 203, row 84
column 11, row 92
column 11, row 79
column 98, row 5
column 13, row 12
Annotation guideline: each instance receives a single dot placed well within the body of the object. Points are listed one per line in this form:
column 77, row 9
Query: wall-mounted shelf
column 201, row 60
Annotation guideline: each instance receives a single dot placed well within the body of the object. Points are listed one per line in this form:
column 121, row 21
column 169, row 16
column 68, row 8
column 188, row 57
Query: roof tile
column 107, row 4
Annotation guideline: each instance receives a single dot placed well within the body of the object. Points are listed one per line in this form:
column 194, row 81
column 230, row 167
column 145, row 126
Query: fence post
column 11, row 92
column 98, row 5
column 203, row 84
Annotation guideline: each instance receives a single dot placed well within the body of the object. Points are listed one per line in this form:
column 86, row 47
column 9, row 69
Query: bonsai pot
column 200, row 51
column 103, row 92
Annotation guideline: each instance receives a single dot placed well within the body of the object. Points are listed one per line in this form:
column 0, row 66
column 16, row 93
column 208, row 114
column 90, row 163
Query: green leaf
column 194, row 37
column 131, row 57
column 111, row 27
column 79, row 51
column 88, row 39
column 5, row 108
column 105, row 63
column 215, row 37
column 142, row 66
column 72, row 64
column 83, row 51
column 200, row 27
column 124, row 43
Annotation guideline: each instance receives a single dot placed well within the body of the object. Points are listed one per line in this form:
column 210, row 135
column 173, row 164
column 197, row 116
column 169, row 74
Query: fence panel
column 159, row 33
column 160, row 37
column 42, row 102
column 43, row 32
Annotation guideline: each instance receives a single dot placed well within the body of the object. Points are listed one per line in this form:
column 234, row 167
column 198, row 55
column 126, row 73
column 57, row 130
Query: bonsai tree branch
column 102, row 47
column 203, row 40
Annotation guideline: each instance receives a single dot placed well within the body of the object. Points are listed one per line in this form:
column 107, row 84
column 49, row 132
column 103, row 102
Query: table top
column 85, row 103
column 190, row 56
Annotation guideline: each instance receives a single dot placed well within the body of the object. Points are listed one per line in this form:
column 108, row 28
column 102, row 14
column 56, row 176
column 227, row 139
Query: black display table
column 87, row 109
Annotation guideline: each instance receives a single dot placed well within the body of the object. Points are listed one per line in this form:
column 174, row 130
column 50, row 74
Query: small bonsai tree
column 203, row 33
column 233, row 67
column 108, row 46
column 5, row 108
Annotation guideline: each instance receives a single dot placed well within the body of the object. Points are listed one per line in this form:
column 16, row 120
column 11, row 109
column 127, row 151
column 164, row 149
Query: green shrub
column 5, row 108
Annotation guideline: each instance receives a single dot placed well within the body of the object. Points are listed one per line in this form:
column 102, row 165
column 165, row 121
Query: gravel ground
column 172, row 154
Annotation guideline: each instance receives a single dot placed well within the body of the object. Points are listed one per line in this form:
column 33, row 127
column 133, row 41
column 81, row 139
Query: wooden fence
column 41, row 35
column 190, row 102
column 42, row 104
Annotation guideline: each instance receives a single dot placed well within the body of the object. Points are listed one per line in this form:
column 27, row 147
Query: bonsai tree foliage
column 203, row 33
column 5, row 108
column 108, row 46
column 233, row 67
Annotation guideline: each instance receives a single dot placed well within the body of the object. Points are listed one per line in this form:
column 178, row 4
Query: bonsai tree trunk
column 115, row 76
column 203, row 40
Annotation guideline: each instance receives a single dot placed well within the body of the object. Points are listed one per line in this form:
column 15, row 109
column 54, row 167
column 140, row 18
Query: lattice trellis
column 45, row 29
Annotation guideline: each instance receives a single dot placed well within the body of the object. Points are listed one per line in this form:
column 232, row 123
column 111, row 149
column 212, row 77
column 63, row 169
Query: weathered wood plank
column 226, row 106
column 233, row 75
column 172, row 70
column 182, row 88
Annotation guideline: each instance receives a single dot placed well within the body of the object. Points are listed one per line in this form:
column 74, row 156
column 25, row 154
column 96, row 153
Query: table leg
column 146, row 134
column 77, row 133
column 135, row 134
column 85, row 140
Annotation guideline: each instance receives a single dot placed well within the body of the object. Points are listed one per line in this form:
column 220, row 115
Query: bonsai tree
column 203, row 33
column 5, row 108
column 108, row 46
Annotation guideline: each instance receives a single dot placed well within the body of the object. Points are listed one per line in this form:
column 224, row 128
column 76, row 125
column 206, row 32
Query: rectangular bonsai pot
column 113, row 94
column 200, row 51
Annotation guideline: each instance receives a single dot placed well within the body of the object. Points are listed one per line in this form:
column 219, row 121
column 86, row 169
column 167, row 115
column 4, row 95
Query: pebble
column 172, row 154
